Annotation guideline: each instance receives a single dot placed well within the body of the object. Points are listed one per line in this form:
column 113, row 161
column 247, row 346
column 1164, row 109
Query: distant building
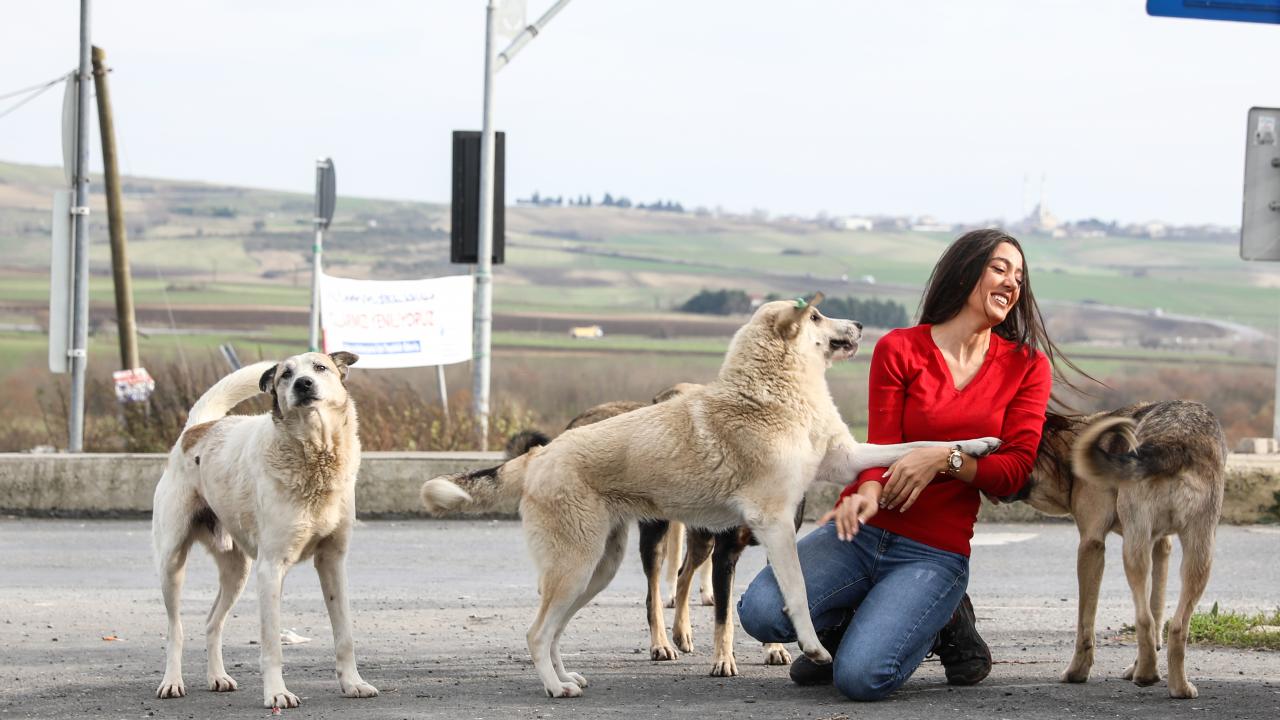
column 586, row 332
column 853, row 223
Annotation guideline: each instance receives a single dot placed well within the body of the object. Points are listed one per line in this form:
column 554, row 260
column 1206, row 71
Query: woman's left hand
column 907, row 478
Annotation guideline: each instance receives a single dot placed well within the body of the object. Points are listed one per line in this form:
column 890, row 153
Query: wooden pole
column 115, row 218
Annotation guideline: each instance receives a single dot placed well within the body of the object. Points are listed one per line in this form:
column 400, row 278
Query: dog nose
column 303, row 383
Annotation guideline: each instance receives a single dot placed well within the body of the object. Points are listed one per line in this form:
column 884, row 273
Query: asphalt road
column 441, row 608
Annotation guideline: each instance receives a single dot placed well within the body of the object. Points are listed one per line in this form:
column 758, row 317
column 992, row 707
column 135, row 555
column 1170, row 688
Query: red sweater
column 911, row 397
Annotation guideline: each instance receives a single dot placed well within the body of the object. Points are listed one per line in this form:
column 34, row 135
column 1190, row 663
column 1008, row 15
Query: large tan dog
column 279, row 488
column 1146, row 472
column 742, row 450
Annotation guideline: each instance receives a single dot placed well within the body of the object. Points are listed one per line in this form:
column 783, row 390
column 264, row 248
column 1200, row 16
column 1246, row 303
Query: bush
column 718, row 302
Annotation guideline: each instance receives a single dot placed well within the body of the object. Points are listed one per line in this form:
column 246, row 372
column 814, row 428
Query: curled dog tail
column 1095, row 453
column 476, row 491
column 228, row 392
column 524, row 441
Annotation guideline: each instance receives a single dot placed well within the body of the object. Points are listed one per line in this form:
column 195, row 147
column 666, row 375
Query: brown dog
column 1145, row 472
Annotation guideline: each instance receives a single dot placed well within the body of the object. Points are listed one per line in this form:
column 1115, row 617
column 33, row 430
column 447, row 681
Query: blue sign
column 1259, row 11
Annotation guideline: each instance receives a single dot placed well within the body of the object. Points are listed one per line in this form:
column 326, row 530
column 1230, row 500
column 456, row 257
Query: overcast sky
column 955, row 109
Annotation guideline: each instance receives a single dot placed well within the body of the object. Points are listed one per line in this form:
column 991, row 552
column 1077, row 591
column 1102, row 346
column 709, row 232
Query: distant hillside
column 193, row 237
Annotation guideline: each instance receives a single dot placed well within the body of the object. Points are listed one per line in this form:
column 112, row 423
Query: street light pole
column 80, row 211
column 483, row 322
column 484, row 252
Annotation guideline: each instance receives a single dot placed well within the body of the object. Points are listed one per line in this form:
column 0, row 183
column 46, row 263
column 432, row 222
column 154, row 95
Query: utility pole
column 326, row 198
column 483, row 323
column 115, row 218
column 80, row 212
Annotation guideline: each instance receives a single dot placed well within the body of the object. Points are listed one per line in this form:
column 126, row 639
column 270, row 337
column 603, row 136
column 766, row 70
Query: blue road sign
column 1259, row 11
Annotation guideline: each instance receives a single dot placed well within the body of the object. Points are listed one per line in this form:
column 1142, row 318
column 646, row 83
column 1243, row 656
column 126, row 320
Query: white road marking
column 999, row 538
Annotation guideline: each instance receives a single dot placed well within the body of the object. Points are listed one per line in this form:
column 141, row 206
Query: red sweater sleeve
column 1004, row 472
column 886, row 393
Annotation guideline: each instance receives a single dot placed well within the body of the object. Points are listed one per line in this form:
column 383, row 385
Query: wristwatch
column 955, row 461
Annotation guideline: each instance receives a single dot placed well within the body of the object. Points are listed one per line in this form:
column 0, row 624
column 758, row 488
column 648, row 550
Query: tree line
column 868, row 311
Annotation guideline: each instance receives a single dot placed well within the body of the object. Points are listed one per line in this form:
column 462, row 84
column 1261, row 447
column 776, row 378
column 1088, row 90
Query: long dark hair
column 957, row 273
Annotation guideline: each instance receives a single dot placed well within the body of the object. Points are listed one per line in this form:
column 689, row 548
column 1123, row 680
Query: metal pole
column 80, row 312
column 316, row 250
column 484, row 261
column 1275, row 410
column 529, row 33
column 444, row 395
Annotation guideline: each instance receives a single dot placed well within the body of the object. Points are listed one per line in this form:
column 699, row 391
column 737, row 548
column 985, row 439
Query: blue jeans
column 904, row 593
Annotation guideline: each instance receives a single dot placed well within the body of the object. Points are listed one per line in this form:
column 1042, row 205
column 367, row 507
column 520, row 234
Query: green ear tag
column 801, row 303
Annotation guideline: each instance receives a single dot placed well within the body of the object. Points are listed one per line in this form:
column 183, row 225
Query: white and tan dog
column 279, row 488
column 740, row 450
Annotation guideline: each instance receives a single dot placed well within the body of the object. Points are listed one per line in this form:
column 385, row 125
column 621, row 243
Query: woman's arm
column 1004, row 472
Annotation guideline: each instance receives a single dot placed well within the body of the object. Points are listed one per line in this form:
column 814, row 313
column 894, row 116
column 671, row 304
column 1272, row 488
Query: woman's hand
column 908, row 477
column 849, row 515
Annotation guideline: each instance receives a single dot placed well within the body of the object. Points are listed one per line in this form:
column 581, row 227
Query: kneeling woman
column 896, row 547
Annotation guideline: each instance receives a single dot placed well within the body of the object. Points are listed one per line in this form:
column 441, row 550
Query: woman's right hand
column 849, row 515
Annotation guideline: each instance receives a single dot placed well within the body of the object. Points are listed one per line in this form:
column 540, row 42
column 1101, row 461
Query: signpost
column 326, row 198
column 1259, row 11
column 399, row 323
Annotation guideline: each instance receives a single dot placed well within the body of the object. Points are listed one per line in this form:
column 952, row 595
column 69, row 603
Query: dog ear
column 267, row 384
column 788, row 322
column 343, row 359
column 268, row 379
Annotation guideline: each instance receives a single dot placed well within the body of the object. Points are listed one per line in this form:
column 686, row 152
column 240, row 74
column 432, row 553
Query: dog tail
column 1108, row 449
column 524, row 441
column 228, row 392
column 484, row 490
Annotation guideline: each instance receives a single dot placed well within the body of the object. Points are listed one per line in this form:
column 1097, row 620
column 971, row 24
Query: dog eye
column 320, row 368
column 814, row 317
column 286, row 374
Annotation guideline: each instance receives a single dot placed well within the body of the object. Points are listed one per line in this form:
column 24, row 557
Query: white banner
column 398, row 323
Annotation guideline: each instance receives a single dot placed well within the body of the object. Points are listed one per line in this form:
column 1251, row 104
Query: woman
column 896, row 546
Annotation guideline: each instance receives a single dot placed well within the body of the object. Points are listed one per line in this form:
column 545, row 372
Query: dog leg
column 1197, row 560
column 653, row 548
column 1091, row 556
column 606, row 569
column 171, row 550
column 778, row 536
column 233, row 572
column 330, row 562
column 1160, row 550
column 671, row 563
column 724, row 560
column 1137, row 569
column 706, row 584
column 697, row 550
column 270, row 580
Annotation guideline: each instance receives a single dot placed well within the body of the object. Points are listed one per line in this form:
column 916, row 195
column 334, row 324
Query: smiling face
column 999, row 286
column 308, row 379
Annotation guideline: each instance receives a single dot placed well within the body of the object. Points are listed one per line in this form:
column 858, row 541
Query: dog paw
column 671, row 603
column 564, row 690
column 222, row 682
column 1074, row 675
column 683, row 640
column 707, row 598
column 663, row 652
column 281, row 699
column 980, row 447
column 725, row 667
column 1183, row 691
column 776, row 654
column 1146, row 679
column 819, row 655
column 578, row 680
column 360, row 689
column 171, row 689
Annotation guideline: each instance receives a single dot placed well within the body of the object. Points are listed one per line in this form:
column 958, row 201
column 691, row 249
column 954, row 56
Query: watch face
column 956, row 461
